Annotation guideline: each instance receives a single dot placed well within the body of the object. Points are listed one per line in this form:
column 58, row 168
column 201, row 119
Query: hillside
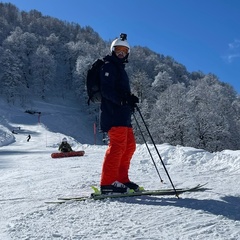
column 29, row 177
column 42, row 57
column 65, row 117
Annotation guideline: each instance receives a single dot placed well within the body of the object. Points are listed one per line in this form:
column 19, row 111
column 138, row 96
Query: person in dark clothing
column 117, row 106
column 65, row 146
column 28, row 137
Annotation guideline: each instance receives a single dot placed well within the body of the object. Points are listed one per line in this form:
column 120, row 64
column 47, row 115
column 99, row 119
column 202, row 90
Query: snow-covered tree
column 10, row 78
column 43, row 72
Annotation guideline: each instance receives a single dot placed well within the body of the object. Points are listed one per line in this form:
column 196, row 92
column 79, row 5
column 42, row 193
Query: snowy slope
column 29, row 177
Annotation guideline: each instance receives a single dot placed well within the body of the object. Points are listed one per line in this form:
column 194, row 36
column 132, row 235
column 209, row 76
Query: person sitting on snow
column 65, row 146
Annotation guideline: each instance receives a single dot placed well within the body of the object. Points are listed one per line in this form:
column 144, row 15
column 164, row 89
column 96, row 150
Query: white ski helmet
column 121, row 41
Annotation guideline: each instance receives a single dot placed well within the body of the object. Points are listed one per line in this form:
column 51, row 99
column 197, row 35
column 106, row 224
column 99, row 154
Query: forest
column 42, row 57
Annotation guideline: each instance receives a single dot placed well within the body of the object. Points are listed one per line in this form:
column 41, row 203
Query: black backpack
column 93, row 82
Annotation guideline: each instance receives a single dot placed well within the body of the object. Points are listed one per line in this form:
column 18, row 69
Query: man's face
column 121, row 51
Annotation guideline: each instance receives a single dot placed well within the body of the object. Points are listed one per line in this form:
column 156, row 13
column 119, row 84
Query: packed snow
column 30, row 178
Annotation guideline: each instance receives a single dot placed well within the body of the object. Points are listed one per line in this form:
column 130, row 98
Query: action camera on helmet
column 123, row 36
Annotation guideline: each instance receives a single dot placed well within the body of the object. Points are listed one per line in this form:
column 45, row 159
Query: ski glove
column 132, row 100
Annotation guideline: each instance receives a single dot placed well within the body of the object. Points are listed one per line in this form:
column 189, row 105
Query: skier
column 117, row 106
column 28, row 137
column 65, row 146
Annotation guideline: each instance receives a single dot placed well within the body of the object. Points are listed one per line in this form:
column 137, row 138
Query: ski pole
column 156, row 148
column 147, row 147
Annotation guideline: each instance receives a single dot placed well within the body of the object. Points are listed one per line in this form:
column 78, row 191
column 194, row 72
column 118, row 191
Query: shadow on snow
column 228, row 206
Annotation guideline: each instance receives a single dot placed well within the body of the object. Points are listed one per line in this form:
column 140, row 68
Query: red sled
column 67, row 154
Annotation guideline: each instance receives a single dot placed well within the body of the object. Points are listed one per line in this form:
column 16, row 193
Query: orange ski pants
column 117, row 159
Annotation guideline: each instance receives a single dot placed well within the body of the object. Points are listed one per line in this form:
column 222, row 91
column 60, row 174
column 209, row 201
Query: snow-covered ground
column 29, row 177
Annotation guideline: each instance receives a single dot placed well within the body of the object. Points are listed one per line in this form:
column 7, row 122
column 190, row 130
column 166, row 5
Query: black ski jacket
column 115, row 89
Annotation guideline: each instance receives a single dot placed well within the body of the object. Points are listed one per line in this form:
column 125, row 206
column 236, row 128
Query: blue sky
column 202, row 35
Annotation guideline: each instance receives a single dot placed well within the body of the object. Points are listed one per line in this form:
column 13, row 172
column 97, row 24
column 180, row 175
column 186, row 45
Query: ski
column 163, row 192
